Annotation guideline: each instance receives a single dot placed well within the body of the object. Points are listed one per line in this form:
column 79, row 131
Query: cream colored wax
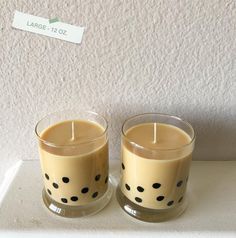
column 155, row 173
column 76, row 170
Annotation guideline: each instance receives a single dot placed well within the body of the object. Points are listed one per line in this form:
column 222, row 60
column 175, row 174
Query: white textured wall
column 136, row 56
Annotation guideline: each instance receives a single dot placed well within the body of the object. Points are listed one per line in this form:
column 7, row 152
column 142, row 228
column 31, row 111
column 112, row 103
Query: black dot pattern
column 55, row 185
column 179, row 183
column 65, row 180
column 170, row 203
column 137, row 199
column 97, row 177
column 58, row 184
column 156, row 185
column 140, row 189
column 127, row 186
column 74, row 198
column 160, row 198
column 46, row 176
column 85, row 190
column 123, row 167
column 180, row 200
column 95, row 194
column 64, row 200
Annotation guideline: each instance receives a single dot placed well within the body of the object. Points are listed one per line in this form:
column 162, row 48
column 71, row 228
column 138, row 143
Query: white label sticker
column 48, row 27
column 55, row 208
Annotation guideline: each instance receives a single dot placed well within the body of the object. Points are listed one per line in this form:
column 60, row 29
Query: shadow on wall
column 215, row 136
column 216, row 139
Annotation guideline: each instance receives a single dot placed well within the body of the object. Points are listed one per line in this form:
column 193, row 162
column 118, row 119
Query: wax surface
column 167, row 136
column 75, row 173
column 62, row 133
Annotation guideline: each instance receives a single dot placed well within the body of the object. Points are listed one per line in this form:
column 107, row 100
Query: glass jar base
column 146, row 214
column 78, row 211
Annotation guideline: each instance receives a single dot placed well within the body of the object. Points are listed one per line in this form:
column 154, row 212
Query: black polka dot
column 106, row 179
column 85, row 190
column 170, row 203
column 156, row 185
column 95, row 194
column 46, row 176
column 127, row 186
column 55, row 185
column 97, row 177
column 137, row 199
column 140, row 189
column 160, row 198
column 123, row 167
column 180, row 200
column 64, row 200
column 65, row 179
column 179, row 183
column 49, row 192
column 74, row 198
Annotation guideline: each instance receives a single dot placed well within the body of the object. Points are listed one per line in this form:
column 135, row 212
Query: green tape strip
column 53, row 20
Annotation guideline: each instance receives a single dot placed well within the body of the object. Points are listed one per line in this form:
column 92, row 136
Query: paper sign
column 47, row 27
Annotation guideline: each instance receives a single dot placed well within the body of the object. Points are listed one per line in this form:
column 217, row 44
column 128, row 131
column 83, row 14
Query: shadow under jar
column 156, row 153
column 73, row 148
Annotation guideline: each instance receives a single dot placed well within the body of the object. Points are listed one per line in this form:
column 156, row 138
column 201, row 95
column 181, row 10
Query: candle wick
column 72, row 130
column 155, row 133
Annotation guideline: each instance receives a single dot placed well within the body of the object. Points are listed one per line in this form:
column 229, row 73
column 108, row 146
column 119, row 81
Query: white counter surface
column 211, row 211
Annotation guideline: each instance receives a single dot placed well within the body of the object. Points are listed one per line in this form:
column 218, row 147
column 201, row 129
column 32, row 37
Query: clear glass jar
column 156, row 153
column 76, row 172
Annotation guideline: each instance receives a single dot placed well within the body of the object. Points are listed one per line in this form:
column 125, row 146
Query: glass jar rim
column 75, row 144
column 159, row 149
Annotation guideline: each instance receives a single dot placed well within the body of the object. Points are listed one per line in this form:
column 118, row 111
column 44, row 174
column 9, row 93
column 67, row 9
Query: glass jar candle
column 156, row 153
column 73, row 148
